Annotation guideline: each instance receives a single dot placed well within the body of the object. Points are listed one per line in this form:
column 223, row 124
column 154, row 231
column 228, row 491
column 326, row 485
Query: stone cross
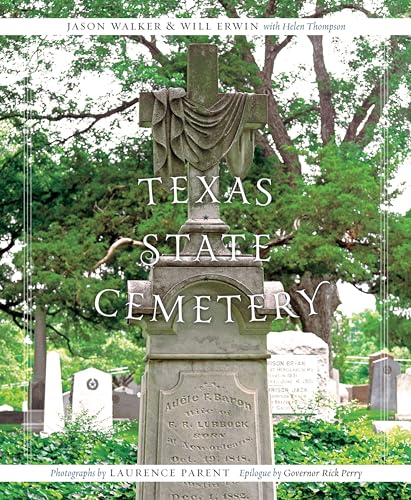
column 202, row 88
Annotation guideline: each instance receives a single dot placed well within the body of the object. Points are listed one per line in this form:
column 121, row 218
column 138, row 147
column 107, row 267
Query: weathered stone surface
column 204, row 396
column 360, row 393
column 383, row 385
column 403, row 397
column 67, row 402
column 92, row 397
column 125, row 405
column 53, row 401
column 298, row 374
column 371, row 358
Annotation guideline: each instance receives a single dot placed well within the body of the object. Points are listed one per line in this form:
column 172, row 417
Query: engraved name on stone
column 292, row 383
column 209, row 418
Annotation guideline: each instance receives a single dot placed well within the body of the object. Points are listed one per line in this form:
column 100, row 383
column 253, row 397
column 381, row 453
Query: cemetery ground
column 348, row 440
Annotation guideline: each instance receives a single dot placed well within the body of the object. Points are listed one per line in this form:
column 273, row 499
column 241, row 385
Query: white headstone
column 92, row 395
column 298, row 374
column 53, row 397
column 403, row 397
column 408, row 370
column 388, row 425
column 25, row 406
column 6, row 408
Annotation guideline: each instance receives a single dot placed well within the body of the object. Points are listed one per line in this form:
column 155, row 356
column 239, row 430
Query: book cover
column 196, row 192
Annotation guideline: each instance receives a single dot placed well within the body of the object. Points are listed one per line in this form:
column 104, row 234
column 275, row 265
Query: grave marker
column 92, row 397
column 383, row 384
column 204, row 392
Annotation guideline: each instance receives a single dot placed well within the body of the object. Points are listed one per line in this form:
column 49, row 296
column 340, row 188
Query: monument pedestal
column 205, row 316
column 204, row 394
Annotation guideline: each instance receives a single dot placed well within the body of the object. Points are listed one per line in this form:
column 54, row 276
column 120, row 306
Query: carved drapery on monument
column 204, row 392
column 185, row 133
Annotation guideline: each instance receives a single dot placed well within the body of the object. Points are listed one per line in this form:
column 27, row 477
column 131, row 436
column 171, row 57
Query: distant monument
column 204, row 392
column 92, row 397
column 383, row 391
column 53, row 403
column 298, row 375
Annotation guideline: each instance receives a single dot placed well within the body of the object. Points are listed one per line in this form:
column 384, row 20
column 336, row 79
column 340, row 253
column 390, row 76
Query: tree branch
column 327, row 111
column 322, row 11
column 373, row 104
column 8, row 246
column 64, row 337
column 155, row 52
column 290, row 118
column 262, row 140
column 283, row 239
column 271, row 8
column 121, row 242
column 361, row 112
column 271, row 52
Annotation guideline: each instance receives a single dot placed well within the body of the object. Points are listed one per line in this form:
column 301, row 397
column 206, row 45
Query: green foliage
column 362, row 335
column 78, row 444
column 349, row 440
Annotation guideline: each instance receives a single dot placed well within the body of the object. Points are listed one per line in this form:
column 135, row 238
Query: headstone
column 125, row 405
column 388, row 425
column 298, row 374
column 53, row 398
column 204, row 392
column 92, row 396
column 6, row 408
column 403, row 397
column 360, row 393
column 24, row 406
column 67, row 402
column 375, row 357
column 408, row 371
column 334, row 385
column 383, row 385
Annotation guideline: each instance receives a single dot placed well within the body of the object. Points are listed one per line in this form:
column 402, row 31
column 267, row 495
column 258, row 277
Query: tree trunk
column 37, row 385
column 325, row 303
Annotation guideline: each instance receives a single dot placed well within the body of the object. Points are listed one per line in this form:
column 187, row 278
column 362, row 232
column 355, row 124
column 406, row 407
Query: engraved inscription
column 208, row 418
column 292, row 383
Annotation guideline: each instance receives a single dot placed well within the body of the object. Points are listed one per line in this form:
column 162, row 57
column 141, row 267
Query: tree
column 321, row 146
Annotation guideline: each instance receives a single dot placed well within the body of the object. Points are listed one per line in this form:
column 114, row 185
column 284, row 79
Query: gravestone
column 126, row 405
column 371, row 358
column 6, row 408
column 204, row 392
column 53, row 399
column 403, row 397
column 334, row 385
column 383, row 384
column 298, row 374
column 92, row 396
column 67, row 402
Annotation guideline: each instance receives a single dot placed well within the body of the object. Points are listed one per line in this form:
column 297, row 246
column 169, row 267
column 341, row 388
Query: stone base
column 33, row 421
column 388, row 425
column 402, row 417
